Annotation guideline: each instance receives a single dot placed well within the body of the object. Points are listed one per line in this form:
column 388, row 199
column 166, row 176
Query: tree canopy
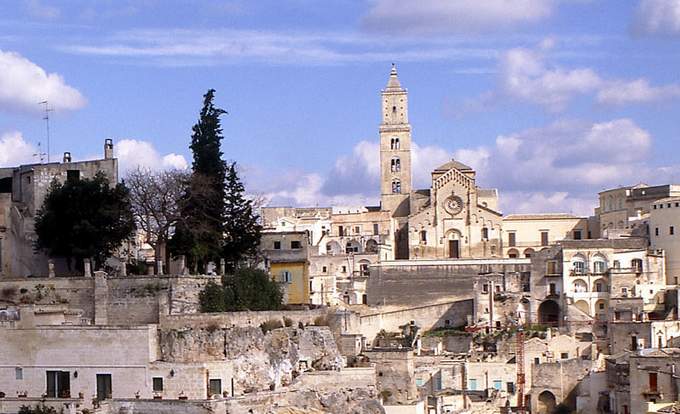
column 248, row 289
column 84, row 218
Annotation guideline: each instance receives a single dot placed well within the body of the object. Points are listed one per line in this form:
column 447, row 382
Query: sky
column 551, row 101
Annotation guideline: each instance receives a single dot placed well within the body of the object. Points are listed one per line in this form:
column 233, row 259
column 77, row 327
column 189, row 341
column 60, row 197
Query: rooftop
column 453, row 164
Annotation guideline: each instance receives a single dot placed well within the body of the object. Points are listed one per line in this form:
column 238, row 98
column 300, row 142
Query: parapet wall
column 241, row 319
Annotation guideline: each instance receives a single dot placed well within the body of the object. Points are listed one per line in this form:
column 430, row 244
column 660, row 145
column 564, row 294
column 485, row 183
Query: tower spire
column 393, row 83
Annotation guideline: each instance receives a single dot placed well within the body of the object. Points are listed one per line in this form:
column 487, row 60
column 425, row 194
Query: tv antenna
column 47, row 126
column 40, row 155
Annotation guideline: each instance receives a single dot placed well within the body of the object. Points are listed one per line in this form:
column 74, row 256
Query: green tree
column 248, row 289
column 251, row 289
column 200, row 233
column 242, row 229
column 84, row 218
column 211, row 298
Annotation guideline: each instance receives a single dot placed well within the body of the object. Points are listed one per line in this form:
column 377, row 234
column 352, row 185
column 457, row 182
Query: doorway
column 454, row 249
column 104, row 390
column 58, row 384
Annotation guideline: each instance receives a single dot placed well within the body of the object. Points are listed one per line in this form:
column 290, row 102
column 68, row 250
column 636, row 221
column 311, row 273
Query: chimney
column 108, row 149
column 67, row 157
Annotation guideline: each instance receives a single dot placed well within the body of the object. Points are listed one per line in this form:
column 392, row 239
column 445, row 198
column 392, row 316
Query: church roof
column 393, row 83
column 453, row 164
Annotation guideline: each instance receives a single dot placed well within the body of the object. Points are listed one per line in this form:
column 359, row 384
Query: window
column 423, row 236
column 624, row 292
column 396, row 187
column 286, row 277
column 341, row 231
column 277, row 245
column 537, row 361
column 512, row 239
column 564, row 355
column 577, row 235
column 295, row 244
column 510, row 386
column 485, row 233
column 324, row 269
column 395, row 165
column 215, row 387
column 19, row 373
column 617, row 264
column 497, row 385
column 553, row 289
column 364, row 269
column 357, row 229
column 599, row 267
column 157, row 384
column 672, row 230
column 58, row 384
column 344, row 269
column 636, row 264
column 394, row 144
column 617, row 316
column 551, row 267
column 473, row 384
column 601, row 306
column 376, row 229
column 420, row 382
column 579, row 267
column 656, row 231
column 544, row 238
column 485, row 288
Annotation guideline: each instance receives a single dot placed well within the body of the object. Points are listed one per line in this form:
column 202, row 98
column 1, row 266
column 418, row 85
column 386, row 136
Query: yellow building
column 287, row 260
column 293, row 278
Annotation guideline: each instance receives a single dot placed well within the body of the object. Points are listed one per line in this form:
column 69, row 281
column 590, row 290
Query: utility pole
column 47, row 126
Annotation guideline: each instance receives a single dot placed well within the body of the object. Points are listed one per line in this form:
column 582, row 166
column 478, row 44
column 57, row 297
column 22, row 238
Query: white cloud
column 23, row 84
column 658, row 17
column 42, row 11
column 525, row 76
column 637, row 91
column 563, row 164
column 449, row 16
column 132, row 153
column 14, row 150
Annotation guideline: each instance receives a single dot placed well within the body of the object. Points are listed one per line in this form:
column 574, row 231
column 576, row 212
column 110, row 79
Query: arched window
column 395, row 165
column 485, row 233
column 578, row 265
column 423, row 236
column 580, row 286
column 599, row 265
column 396, row 187
column 394, row 144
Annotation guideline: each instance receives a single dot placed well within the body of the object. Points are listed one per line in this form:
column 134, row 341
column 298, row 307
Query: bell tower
column 395, row 148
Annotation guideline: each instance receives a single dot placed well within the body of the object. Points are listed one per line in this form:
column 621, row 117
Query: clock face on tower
column 453, row 205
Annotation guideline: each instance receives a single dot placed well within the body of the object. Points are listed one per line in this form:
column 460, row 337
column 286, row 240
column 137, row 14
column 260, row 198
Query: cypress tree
column 242, row 229
column 200, row 233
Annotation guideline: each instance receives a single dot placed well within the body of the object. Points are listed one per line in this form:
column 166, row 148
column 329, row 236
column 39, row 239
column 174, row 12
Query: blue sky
column 550, row 100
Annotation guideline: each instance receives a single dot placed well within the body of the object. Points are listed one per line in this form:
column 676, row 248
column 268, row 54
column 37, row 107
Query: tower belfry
column 395, row 148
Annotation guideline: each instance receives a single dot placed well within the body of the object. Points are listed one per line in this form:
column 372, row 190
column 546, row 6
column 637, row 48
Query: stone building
column 287, row 262
column 22, row 190
column 664, row 223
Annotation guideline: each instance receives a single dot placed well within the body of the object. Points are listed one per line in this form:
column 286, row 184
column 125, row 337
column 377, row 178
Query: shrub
column 287, row 321
column 270, row 325
column 9, row 291
column 211, row 298
column 321, row 320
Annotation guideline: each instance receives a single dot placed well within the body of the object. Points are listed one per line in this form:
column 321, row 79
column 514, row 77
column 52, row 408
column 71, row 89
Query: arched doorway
column 513, row 253
column 371, row 246
column 549, row 313
column 546, row 402
column 528, row 253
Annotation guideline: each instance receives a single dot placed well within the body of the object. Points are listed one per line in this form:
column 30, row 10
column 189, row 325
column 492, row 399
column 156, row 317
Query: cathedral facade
column 453, row 218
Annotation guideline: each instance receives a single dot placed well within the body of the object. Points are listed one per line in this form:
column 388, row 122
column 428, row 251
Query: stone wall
column 256, row 360
column 426, row 317
column 423, row 282
column 242, row 319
